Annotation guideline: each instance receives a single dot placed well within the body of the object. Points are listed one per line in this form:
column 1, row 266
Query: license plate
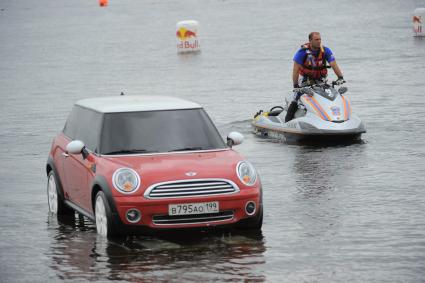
column 193, row 208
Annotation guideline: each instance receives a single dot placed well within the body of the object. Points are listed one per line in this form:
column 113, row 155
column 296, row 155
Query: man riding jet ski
column 310, row 67
column 316, row 110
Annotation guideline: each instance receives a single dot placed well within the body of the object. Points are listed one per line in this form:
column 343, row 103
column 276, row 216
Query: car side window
column 84, row 125
column 70, row 127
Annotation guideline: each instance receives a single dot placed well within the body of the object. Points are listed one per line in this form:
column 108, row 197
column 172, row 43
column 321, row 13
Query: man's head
column 315, row 40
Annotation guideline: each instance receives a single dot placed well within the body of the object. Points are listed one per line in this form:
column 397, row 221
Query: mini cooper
column 152, row 162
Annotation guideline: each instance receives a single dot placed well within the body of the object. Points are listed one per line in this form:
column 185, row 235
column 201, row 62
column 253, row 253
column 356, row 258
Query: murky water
column 349, row 213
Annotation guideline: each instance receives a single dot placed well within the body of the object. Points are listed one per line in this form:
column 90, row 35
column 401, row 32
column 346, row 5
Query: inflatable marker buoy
column 418, row 22
column 103, row 3
column 187, row 36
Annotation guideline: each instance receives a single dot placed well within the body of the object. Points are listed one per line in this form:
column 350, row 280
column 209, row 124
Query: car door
column 76, row 176
column 78, row 171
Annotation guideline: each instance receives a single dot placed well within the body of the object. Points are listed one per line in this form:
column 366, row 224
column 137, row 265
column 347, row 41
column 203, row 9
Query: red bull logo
column 184, row 34
column 187, row 39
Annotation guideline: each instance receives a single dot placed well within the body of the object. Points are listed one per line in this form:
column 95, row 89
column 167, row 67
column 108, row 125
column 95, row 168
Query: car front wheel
column 54, row 199
column 103, row 216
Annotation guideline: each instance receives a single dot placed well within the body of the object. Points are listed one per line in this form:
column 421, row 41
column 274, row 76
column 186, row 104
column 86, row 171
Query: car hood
column 180, row 166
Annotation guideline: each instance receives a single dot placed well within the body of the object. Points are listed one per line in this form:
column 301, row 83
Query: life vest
column 314, row 66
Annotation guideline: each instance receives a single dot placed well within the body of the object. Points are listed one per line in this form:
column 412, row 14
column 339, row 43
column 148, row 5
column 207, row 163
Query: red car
column 150, row 161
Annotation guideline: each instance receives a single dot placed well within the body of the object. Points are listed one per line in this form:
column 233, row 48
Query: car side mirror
column 342, row 90
column 234, row 138
column 77, row 147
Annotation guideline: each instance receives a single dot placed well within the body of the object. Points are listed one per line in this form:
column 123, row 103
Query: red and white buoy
column 187, row 36
column 418, row 22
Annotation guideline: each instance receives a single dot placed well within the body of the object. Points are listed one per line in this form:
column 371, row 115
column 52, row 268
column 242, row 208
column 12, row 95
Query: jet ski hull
column 321, row 138
column 308, row 130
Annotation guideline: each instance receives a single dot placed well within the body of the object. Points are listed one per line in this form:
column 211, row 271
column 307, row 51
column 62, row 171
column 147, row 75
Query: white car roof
column 127, row 103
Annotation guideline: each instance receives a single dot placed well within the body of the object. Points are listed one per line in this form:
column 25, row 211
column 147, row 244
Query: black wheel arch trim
column 103, row 184
column 100, row 181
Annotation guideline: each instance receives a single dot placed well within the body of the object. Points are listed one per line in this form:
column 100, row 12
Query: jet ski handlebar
column 338, row 82
column 309, row 89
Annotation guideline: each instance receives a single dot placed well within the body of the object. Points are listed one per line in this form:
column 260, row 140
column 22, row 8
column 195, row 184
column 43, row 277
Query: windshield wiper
column 187, row 148
column 125, row 151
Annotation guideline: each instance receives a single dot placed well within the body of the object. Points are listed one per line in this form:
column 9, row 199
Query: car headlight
column 126, row 180
column 246, row 173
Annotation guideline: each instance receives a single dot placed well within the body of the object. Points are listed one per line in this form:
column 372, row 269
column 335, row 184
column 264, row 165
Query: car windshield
column 158, row 131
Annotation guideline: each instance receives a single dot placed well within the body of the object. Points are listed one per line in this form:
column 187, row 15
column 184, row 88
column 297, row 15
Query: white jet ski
column 323, row 114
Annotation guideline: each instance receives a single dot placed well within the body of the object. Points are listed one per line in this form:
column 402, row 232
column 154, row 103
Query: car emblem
column 190, row 174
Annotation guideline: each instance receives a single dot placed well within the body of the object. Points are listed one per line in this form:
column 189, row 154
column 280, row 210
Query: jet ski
column 323, row 114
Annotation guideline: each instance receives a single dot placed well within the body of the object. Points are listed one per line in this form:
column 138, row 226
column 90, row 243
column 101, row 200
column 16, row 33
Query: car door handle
column 65, row 154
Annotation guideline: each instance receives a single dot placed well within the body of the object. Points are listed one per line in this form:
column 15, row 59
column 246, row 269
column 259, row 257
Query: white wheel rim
column 101, row 220
column 52, row 194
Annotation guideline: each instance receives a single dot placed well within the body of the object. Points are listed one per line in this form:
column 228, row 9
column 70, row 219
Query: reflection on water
column 77, row 253
column 312, row 173
column 321, row 168
column 321, row 176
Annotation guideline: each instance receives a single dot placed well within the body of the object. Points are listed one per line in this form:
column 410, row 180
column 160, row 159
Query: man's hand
column 297, row 88
column 340, row 81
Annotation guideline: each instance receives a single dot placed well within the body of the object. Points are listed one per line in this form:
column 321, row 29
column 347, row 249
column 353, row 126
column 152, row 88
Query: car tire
column 55, row 199
column 252, row 223
column 103, row 216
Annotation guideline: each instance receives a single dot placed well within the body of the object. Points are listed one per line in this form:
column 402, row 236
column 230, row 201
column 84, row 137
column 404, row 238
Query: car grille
column 192, row 219
column 191, row 188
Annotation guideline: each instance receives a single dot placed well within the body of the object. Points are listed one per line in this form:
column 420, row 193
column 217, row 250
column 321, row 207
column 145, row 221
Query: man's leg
column 293, row 107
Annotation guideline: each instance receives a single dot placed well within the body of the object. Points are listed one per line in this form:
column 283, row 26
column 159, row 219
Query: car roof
column 135, row 103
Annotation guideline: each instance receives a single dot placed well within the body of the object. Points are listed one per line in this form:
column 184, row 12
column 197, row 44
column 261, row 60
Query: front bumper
column 155, row 212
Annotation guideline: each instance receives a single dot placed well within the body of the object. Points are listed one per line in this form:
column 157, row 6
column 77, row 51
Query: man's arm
column 336, row 69
column 295, row 73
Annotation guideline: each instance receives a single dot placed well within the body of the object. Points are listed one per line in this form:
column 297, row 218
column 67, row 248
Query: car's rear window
column 158, row 131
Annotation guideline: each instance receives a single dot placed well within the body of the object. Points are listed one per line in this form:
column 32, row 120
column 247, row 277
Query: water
column 351, row 213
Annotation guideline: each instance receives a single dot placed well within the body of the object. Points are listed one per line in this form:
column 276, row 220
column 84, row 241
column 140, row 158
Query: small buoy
column 187, row 36
column 103, row 3
column 122, row 93
column 418, row 22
